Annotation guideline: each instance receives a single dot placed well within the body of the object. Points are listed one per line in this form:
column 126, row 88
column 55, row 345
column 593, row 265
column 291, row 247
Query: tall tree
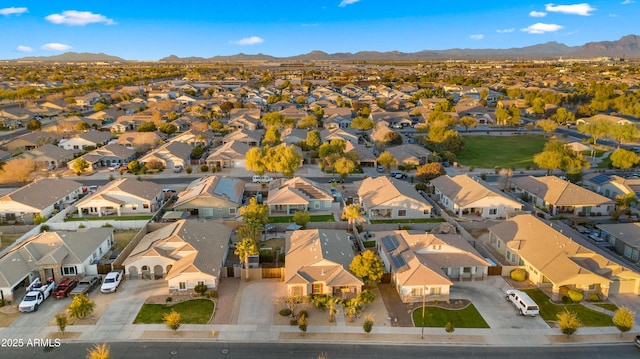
column 468, row 121
column 624, row 133
column 362, row 123
column 353, row 214
column 245, row 249
column 623, row 159
column 367, row 266
column 387, row 160
column 34, row 125
column 313, row 139
column 596, row 129
column 288, row 160
column 147, row 126
column 80, row 165
column 168, row 128
column 255, row 161
column 344, row 166
column 558, row 155
column 81, row 306
column 271, row 137
column 429, row 171
column 548, row 126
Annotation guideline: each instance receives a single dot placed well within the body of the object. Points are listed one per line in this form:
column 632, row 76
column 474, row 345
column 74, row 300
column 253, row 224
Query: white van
column 523, row 303
column 263, row 179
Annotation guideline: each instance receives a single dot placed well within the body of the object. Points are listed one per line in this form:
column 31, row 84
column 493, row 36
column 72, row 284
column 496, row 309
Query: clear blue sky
column 150, row 30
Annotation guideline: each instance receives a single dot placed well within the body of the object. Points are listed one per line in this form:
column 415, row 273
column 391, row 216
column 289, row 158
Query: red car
column 65, row 287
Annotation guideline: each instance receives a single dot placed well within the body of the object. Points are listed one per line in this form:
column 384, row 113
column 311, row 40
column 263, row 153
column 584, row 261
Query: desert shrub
column 204, row 168
column 285, row 312
column 188, row 169
column 213, row 293
column 518, row 274
column 594, row 297
column 421, row 187
column 44, row 228
column 575, row 296
column 303, row 313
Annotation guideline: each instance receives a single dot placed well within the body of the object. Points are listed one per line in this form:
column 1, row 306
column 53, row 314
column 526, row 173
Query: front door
column 49, row 273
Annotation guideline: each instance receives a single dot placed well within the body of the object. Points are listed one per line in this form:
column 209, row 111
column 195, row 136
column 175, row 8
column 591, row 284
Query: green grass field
column 196, row 311
column 549, row 311
column 503, row 151
column 415, row 220
column 435, row 317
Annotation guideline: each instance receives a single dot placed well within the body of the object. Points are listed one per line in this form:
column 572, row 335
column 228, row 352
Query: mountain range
column 627, row 47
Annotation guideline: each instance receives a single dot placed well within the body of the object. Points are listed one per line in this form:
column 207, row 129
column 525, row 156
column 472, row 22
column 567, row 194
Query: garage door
column 206, row 212
column 627, row 286
column 240, row 164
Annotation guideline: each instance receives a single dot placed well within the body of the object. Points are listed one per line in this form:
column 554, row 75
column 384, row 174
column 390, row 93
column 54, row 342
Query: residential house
column 557, row 262
column 365, row 155
column 396, row 119
column 558, row 196
column 195, row 137
column 130, row 122
column 14, row 117
column 41, row 197
column 380, row 133
column 124, row 196
column 293, row 135
column 170, row 154
column 141, row 141
column 465, row 196
column 423, row 265
column 232, row 154
column 32, row 140
column 49, row 156
column 609, row 118
column 105, row 156
column 67, row 125
column 212, row 197
column 245, row 118
column 287, row 196
column 251, row 138
column 88, row 100
column 56, row 255
column 384, row 198
column 318, row 263
column 185, row 253
column 612, row 186
column 337, row 133
column 624, row 237
column 410, row 154
column 86, row 139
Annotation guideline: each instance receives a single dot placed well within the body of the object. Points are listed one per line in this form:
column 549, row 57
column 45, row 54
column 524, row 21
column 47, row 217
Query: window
column 466, row 269
column 493, row 211
column 416, row 292
column 627, row 251
column 317, row 288
column 296, row 291
column 145, row 205
column 435, row 291
column 592, row 286
column 426, row 211
column 508, row 255
column 232, row 211
column 200, row 282
column 402, row 212
column 145, row 268
column 134, row 207
column 182, row 285
column 71, row 270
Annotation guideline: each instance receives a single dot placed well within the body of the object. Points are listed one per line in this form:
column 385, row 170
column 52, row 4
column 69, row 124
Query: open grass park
column 502, row 151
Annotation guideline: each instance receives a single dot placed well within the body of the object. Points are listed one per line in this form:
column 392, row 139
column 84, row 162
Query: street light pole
column 424, row 295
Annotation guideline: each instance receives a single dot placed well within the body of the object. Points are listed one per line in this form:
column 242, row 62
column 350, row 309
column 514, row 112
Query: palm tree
column 353, row 214
column 245, row 249
column 331, row 304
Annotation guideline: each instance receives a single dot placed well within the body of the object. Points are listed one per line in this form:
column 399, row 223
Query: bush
column 566, row 300
column 201, row 289
column 518, row 274
column 303, row 313
column 44, row 228
column 421, row 187
column 213, row 293
column 204, row 168
column 169, row 300
column 266, row 256
column 281, row 257
column 406, row 227
column 188, row 169
column 594, row 297
column 366, row 296
column 293, row 321
column 285, row 312
column 575, row 296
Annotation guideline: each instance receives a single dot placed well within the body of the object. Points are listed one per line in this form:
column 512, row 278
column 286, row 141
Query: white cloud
column 344, row 3
column 503, row 31
column 13, row 11
column 23, row 48
column 78, row 18
column 537, row 14
column 627, row 2
column 477, row 37
column 53, row 46
column 253, row 40
column 541, row 28
column 309, row 25
column 583, row 9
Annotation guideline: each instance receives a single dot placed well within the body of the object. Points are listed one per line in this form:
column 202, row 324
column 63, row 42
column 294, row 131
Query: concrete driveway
column 488, row 296
column 257, row 302
column 128, row 300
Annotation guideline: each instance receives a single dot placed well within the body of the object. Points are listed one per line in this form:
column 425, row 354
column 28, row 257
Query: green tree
column 596, row 129
column 134, row 166
column 147, row 126
column 271, row 137
column 558, row 155
column 168, row 128
column 367, row 266
column 99, row 351
column 367, row 326
column 273, row 119
column 624, row 133
column 80, row 165
column 548, row 126
column 344, row 166
column 81, row 306
column 34, row 125
column 287, row 160
column 624, row 201
column 563, row 116
column 254, row 213
column 468, row 121
column 353, row 214
column 387, row 160
column 216, row 126
column 245, row 249
column 392, row 138
column 100, row 106
column 173, row 320
column 309, row 121
column 624, row 319
column 351, row 308
column 429, row 171
column 302, row 324
column 313, row 139
column 568, row 322
column 61, row 321
column 255, row 161
column 362, row 123
column 449, row 328
column 201, row 289
column 301, row 218
column 81, row 126
column 623, row 159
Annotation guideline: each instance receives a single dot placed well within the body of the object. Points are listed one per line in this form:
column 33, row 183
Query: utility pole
column 424, row 297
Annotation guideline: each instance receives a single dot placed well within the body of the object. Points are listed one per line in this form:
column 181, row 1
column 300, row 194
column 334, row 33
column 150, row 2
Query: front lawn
column 415, row 220
column 315, row 218
column 113, row 218
column 549, row 311
column 503, row 151
column 196, row 311
column 436, row 317
column 608, row 306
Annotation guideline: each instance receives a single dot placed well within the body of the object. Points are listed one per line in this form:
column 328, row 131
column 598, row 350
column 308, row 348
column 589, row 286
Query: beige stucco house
column 124, row 196
column 212, row 197
column 287, row 196
column 388, row 198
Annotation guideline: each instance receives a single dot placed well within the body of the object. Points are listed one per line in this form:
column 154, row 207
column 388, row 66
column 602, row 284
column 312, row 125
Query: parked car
column 380, row 169
column 261, row 179
column 177, row 169
column 65, row 287
column 111, row 282
column 637, row 340
column 37, row 293
column 86, row 285
column 523, row 303
column 398, row 175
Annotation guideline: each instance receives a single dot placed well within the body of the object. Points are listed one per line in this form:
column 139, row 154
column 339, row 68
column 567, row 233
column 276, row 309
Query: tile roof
column 297, row 190
column 559, row 192
column 377, row 191
column 227, row 189
column 42, row 193
column 464, row 190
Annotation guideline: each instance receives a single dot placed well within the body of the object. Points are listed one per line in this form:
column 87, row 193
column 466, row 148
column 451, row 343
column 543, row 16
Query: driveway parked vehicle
column 86, row 285
column 65, row 287
column 111, row 282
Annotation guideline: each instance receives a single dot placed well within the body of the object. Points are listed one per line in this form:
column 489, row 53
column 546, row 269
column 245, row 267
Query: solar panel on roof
column 599, row 179
column 390, row 243
column 226, row 187
column 398, row 261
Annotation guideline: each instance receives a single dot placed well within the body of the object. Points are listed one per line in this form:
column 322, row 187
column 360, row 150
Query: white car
column 111, row 282
column 263, row 179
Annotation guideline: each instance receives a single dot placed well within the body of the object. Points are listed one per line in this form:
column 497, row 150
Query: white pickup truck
column 37, row 293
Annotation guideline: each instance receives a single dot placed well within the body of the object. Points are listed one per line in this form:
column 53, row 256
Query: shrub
column 266, row 256
column 107, row 225
column 281, row 257
column 366, row 296
column 518, row 274
column 201, row 289
column 44, row 228
column 472, row 168
column 421, row 187
column 204, row 168
column 188, row 169
column 406, row 227
column 303, row 313
column 566, row 300
column 594, row 297
column 575, row 296
column 285, row 312
column 81, row 226
column 213, row 293
column 483, row 176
